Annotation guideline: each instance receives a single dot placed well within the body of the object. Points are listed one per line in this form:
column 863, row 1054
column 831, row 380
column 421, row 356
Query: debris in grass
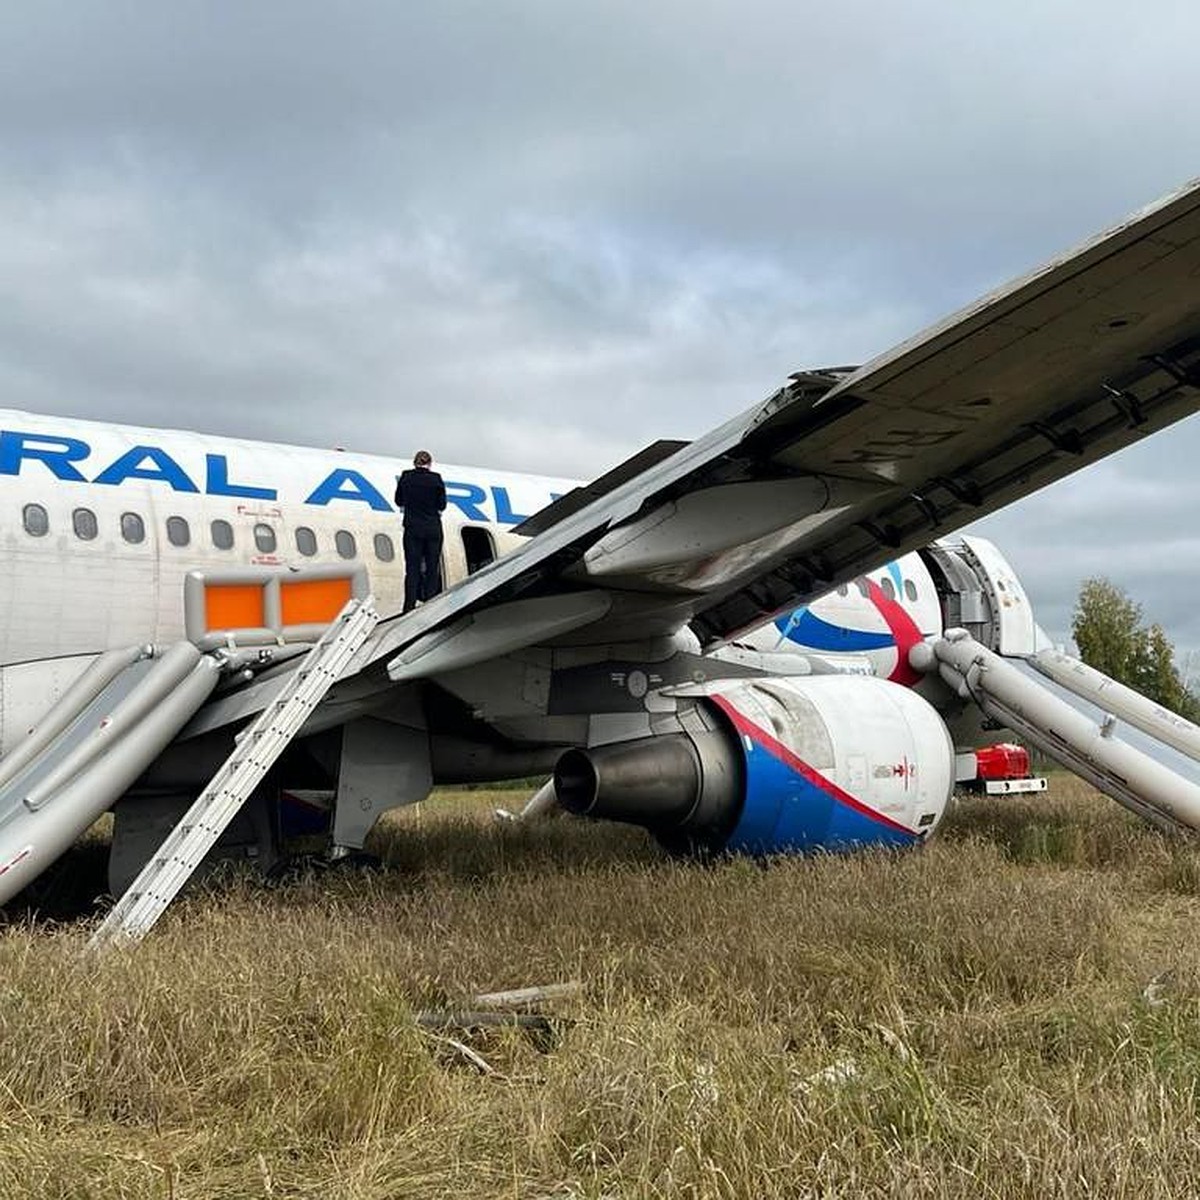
column 523, row 997
column 463, row 1051
column 470, row 1022
column 1157, row 990
column 844, row 1070
column 542, row 1031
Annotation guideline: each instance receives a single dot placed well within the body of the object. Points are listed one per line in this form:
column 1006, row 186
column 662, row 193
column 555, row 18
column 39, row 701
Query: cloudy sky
column 542, row 233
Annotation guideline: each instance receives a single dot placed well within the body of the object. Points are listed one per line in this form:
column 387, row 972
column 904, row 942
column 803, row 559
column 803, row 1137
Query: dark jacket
column 421, row 493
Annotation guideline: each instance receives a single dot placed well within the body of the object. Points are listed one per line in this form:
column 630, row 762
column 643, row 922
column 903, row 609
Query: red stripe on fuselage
column 903, row 630
column 777, row 749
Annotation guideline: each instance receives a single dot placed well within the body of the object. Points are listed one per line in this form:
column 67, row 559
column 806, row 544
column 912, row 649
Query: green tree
column 1157, row 676
column 1108, row 629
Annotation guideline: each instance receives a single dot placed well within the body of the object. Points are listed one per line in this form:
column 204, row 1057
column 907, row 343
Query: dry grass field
column 1014, row 1011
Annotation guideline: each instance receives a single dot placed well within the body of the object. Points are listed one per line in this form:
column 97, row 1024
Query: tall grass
column 1012, row 1011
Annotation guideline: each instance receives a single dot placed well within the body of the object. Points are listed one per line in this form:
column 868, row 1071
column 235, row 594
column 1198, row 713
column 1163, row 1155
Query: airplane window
column 910, row 589
column 306, row 541
column 479, row 548
column 264, row 538
column 133, row 528
column 83, row 521
column 889, row 588
column 344, row 541
column 863, row 590
column 385, row 550
column 843, row 590
column 222, row 535
column 178, row 533
column 37, row 523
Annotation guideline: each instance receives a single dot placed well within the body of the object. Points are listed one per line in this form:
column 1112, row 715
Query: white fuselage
column 99, row 524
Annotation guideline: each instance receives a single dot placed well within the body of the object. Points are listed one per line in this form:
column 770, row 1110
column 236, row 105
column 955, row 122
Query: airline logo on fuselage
column 70, row 460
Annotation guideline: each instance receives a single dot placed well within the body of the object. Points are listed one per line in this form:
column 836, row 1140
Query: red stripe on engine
column 773, row 746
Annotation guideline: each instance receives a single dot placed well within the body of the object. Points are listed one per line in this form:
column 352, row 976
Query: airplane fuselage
column 100, row 524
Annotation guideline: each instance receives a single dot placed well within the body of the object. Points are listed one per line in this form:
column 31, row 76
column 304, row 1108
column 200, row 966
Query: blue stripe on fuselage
column 810, row 630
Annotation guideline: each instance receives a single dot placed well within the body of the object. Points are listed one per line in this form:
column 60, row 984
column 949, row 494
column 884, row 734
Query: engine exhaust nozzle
column 654, row 782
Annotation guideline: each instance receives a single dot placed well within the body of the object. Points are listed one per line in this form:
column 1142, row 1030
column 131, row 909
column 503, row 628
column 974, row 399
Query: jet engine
column 776, row 765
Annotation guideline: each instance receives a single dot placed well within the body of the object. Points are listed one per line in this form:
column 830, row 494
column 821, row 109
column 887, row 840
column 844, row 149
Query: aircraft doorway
column 479, row 547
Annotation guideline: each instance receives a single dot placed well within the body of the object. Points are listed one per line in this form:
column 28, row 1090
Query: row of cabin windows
column 133, row 530
column 885, row 585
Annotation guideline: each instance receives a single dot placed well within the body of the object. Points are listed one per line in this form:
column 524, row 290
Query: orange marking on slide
column 234, row 606
column 314, row 601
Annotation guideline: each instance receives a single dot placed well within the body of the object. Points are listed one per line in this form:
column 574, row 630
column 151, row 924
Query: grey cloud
column 542, row 325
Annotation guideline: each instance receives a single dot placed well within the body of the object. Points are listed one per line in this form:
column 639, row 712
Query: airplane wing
column 841, row 470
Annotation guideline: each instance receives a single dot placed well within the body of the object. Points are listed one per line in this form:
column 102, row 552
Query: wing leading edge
column 839, row 471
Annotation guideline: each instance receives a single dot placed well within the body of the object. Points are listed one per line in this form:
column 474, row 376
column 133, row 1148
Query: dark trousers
column 422, row 567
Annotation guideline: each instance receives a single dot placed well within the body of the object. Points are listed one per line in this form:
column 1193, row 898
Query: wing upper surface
column 842, row 470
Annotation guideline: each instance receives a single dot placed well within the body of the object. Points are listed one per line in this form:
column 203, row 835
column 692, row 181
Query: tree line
column 1112, row 636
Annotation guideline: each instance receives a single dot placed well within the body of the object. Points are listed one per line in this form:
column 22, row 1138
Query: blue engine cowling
column 776, row 765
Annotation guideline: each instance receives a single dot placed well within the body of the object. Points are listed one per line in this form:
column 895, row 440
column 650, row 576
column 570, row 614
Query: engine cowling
column 777, row 765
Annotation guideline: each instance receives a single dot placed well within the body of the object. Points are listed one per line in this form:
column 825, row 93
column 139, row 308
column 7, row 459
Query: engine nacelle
column 777, row 765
